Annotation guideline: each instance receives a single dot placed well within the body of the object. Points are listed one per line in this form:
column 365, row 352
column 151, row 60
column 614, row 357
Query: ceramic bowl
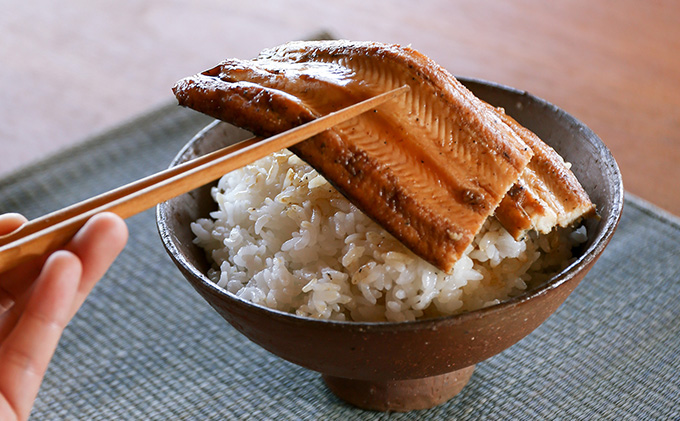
column 418, row 364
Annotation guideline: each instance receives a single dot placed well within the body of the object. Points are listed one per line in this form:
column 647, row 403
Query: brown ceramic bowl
column 418, row 364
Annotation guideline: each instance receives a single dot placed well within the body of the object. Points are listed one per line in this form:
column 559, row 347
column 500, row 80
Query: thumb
column 9, row 222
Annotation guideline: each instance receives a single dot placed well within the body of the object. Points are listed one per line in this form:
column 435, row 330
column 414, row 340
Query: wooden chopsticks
column 54, row 230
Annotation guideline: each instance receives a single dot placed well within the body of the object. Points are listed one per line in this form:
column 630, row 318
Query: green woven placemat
column 146, row 346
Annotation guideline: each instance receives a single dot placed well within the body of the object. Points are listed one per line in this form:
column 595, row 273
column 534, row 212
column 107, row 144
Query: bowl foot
column 400, row 395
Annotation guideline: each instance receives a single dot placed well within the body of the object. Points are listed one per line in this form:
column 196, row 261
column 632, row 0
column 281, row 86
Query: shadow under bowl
column 418, row 364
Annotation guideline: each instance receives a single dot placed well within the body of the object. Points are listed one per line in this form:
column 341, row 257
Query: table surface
column 73, row 70
column 146, row 346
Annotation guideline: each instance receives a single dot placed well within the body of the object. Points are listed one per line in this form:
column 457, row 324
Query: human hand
column 39, row 298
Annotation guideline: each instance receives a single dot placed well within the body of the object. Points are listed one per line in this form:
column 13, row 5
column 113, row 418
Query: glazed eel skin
column 547, row 194
column 429, row 166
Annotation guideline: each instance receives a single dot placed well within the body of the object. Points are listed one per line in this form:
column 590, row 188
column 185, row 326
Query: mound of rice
column 284, row 238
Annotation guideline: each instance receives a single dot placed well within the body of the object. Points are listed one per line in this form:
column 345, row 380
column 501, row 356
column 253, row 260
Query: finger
column 17, row 291
column 9, row 290
column 17, row 281
column 25, row 354
column 10, row 222
column 97, row 245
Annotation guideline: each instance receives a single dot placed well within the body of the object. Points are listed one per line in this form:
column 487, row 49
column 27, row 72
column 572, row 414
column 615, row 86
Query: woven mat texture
column 146, row 346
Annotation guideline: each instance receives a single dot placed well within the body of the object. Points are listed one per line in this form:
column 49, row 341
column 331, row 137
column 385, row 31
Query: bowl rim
column 587, row 258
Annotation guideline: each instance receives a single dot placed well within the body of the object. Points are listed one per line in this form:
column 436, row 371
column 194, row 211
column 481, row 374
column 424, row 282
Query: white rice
column 284, row 238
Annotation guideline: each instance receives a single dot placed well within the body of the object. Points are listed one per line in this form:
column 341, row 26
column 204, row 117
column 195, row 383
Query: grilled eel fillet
column 547, row 194
column 429, row 166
